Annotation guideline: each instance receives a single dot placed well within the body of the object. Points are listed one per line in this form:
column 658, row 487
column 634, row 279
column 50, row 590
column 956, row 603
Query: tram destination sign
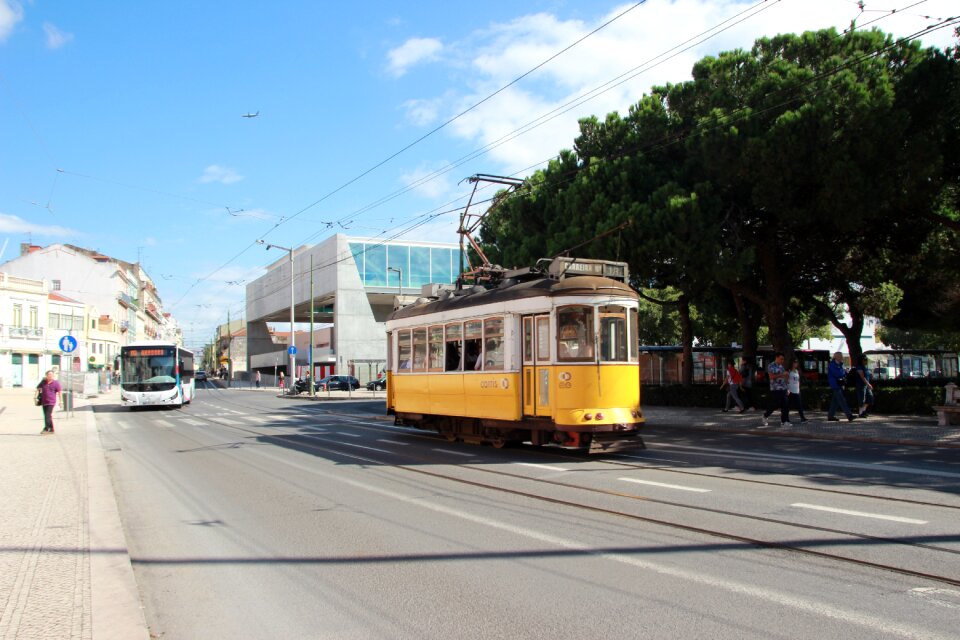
column 583, row 267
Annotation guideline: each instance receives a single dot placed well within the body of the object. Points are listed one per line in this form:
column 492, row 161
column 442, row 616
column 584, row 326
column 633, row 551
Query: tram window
column 403, row 349
column 613, row 333
column 528, row 340
column 575, row 334
column 420, row 349
column 454, row 349
column 436, row 348
column 543, row 339
column 493, row 344
column 634, row 336
column 472, row 345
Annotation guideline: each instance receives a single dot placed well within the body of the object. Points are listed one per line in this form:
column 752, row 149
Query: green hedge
column 889, row 400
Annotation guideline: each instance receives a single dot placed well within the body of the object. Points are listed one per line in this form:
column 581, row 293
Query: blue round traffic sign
column 68, row 344
column 292, row 351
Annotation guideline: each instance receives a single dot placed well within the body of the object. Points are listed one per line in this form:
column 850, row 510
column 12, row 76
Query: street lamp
column 399, row 279
column 291, row 366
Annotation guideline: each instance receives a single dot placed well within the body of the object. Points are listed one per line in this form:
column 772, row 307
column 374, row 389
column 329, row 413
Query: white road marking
column 876, row 623
column 456, row 453
column 943, row 597
column 667, row 486
column 730, row 453
column 399, row 444
column 349, row 435
column 360, row 446
column 862, row 514
column 163, row 423
column 195, row 423
column 123, row 424
column 541, row 466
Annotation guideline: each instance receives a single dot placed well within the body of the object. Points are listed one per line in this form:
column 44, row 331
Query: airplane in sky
column 250, row 115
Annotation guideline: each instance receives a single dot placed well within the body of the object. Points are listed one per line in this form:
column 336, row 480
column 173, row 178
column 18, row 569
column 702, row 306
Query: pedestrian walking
column 48, row 391
column 746, row 384
column 257, row 379
column 732, row 381
column 835, row 376
column 861, row 379
column 778, row 390
column 281, row 381
column 794, row 400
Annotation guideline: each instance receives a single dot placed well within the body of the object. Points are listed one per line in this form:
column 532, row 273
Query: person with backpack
column 48, row 391
column 861, row 378
column 835, row 378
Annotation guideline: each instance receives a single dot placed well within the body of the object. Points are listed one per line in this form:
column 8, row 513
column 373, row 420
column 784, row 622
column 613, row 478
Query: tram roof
column 541, row 287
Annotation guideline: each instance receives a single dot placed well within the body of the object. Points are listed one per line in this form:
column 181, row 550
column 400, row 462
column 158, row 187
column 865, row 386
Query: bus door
column 536, row 369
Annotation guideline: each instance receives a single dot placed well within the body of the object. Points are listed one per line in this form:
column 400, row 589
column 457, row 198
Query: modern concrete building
column 356, row 283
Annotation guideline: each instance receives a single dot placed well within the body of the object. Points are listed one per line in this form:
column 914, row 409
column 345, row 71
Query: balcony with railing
column 128, row 301
column 30, row 333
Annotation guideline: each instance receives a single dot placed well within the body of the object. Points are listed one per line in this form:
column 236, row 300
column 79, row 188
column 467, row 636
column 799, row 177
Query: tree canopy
column 811, row 178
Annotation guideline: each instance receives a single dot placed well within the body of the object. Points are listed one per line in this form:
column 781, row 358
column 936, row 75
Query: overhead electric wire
column 461, row 114
column 521, row 130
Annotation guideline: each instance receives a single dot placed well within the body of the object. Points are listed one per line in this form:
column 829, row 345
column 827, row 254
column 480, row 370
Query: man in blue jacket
column 835, row 376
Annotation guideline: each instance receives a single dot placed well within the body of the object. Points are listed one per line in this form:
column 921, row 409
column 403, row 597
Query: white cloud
column 14, row 224
column 216, row 173
column 422, row 112
column 11, row 12
column 646, row 42
column 411, row 52
column 424, row 181
column 55, row 37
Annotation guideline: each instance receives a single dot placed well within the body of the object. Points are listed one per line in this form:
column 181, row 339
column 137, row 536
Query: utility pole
column 229, row 352
column 310, row 344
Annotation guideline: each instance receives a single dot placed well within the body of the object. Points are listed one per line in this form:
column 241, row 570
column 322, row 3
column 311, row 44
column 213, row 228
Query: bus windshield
column 148, row 368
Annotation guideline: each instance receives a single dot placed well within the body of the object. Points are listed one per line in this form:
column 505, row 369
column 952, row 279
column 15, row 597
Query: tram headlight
column 588, row 416
column 599, row 416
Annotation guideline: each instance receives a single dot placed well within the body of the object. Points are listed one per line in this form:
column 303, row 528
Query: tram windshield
column 575, row 333
column 613, row 333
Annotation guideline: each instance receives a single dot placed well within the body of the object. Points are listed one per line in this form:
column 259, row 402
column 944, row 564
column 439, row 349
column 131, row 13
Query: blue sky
column 121, row 123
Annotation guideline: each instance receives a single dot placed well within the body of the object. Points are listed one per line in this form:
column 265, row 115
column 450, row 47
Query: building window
column 34, row 313
column 17, row 315
column 56, row 285
column 419, row 266
column 441, row 265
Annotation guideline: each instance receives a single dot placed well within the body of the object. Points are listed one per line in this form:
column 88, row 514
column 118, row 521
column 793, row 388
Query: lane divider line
column 862, row 514
column 667, row 486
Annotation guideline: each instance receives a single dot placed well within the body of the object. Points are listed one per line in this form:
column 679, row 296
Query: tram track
column 554, row 454
column 309, row 441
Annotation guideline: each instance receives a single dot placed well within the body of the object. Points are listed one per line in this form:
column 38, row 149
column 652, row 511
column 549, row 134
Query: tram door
column 536, row 369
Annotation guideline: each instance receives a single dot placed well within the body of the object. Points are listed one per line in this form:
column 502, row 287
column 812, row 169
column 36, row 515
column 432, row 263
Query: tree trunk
column 686, row 339
column 749, row 325
column 775, row 305
column 853, row 333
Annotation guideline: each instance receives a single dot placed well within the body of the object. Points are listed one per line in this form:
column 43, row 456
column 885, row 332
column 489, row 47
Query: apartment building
column 59, row 289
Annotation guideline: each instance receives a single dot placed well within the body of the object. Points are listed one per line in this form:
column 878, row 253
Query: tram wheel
column 499, row 443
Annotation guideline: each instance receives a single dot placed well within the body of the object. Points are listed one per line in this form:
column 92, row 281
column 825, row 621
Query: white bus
column 155, row 373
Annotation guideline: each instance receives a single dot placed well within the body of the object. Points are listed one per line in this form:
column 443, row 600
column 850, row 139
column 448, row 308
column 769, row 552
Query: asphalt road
column 252, row 516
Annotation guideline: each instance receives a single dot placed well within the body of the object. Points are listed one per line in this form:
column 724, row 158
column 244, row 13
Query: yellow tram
column 542, row 356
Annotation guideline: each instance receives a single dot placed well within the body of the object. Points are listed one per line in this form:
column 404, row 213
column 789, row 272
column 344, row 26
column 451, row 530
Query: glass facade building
column 418, row 264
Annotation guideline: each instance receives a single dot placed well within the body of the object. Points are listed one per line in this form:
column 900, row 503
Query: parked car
column 200, row 375
column 338, row 383
column 374, row 385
